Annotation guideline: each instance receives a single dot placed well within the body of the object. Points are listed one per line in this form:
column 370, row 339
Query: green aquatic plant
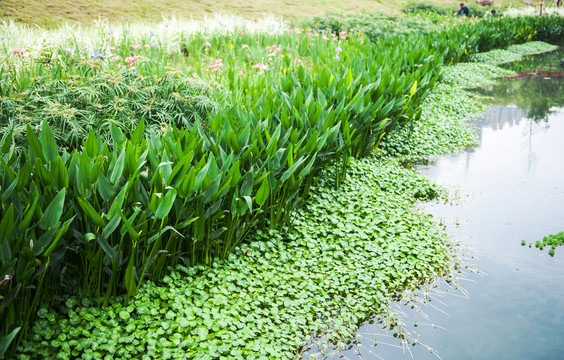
column 103, row 217
column 552, row 240
column 495, row 57
column 472, row 74
column 345, row 254
column 531, row 47
column 523, row 243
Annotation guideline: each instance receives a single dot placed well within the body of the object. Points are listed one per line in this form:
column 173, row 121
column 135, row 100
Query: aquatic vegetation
column 472, row 74
column 441, row 130
column 512, row 53
column 496, row 57
column 345, row 255
column 102, row 218
column 553, row 240
column 531, row 47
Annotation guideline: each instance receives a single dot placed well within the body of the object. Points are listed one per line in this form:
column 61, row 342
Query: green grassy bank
column 348, row 253
column 140, row 154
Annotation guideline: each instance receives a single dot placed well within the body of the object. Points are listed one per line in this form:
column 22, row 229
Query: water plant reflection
column 534, row 92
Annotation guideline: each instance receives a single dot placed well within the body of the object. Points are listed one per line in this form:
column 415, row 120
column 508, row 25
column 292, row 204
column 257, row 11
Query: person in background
column 463, row 10
column 494, row 14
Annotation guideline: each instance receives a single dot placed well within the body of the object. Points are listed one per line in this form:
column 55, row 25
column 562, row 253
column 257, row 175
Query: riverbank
column 346, row 254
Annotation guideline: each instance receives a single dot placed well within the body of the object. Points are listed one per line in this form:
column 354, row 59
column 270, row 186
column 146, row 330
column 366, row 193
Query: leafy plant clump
column 531, row 47
column 552, row 240
column 472, row 74
column 496, row 57
column 74, row 106
column 442, row 128
column 345, row 255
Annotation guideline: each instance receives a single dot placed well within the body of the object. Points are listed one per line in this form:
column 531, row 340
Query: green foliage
column 532, row 47
column 473, row 74
column 428, row 7
column 99, row 98
column 496, row 57
column 552, row 240
column 346, row 254
column 100, row 220
column 513, row 53
column 441, row 129
column 375, row 25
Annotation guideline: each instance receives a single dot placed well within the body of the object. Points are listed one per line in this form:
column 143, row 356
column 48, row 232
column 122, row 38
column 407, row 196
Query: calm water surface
column 511, row 188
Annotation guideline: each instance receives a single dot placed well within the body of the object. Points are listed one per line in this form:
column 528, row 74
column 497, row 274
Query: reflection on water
column 511, row 189
column 536, row 89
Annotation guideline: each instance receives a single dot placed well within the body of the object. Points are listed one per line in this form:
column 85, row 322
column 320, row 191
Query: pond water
column 511, row 188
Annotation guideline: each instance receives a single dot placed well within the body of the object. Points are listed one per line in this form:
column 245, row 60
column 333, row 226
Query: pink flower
column 244, row 46
column 115, row 58
column 216, row 66
column 20, row 53
column 262, row 68
column 136, row 46
column 146, row 46
column 130, row 60
column 241, row 73
column 298, row 31
column 207, row 43
column 274, row 49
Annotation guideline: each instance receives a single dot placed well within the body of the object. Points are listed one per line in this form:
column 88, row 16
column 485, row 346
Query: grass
column 54, row 12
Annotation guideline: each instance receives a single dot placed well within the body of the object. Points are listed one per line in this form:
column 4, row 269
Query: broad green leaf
column 292, row 169
column 60, row 174
column 55, row 240
column 117, row 135
column 118, row 167
column 413, row 89
column 48, row 143
column 89, row 210
column 247, row 186
column 166, row 204
column 262, row 193
column 91, row 144
column 7, row 143
column 108, row 250
column 105, row 188
column 6, row 230
column 305, row 171
column 134, row 235
column 53, row 212
column 29, row 212
column 235, row 174
column 34, row 144
column 137, row 134
column 5, row 341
